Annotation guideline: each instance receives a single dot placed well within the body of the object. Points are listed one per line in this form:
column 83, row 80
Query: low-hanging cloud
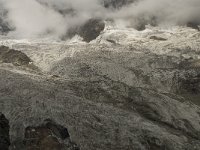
column 176, row 12
column 33, row 18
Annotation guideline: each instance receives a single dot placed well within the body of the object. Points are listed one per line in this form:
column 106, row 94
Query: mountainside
column 125, row 90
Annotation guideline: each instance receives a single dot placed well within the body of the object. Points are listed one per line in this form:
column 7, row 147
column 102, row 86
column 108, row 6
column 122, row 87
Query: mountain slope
column 127, row 89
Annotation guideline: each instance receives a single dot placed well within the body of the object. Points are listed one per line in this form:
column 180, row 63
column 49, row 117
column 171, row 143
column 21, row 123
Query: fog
column 160, row 12
column 34, row 18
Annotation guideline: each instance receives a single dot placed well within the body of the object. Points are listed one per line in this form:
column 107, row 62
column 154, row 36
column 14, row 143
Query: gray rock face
column 4, row 133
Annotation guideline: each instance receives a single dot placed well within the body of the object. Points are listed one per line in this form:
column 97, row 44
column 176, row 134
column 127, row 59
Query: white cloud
column 31, row 18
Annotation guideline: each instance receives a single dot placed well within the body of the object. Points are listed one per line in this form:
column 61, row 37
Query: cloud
column 33, row 18
column 177, row 12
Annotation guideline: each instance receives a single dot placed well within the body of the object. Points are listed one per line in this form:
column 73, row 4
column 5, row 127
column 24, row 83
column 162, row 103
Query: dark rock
column 71, row 32
column 58, row 130
column 193, row 25
column 116, row 3
column 88, row 31
column 15, row 57
column 4, row 133
column 91, row 29
column 140, row 27
column 65, row 12
column 48, row 136
column 157, row 38
column 111, row 41
column 142, row 21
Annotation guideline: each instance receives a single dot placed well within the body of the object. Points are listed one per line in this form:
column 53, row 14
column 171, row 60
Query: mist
column 160, row 12
column 37, row 18
column 33, row 18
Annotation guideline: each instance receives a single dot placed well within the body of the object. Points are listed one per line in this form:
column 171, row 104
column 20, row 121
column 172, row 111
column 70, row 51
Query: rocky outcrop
column 4, row 133
column 89, row 31
column 48, row 136
column 15, row 57
column 193, row 25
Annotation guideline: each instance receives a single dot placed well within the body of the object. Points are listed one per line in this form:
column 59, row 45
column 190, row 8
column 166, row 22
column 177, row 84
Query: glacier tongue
column 127, row 89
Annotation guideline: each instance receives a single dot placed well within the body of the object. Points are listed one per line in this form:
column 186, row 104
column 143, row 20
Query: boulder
column 15, row 57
